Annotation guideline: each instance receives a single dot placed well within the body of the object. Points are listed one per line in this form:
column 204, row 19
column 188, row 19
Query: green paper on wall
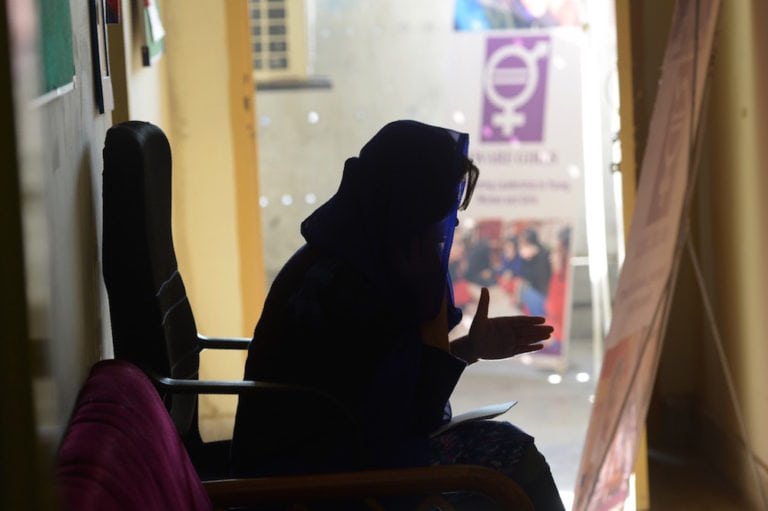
column 56, row 53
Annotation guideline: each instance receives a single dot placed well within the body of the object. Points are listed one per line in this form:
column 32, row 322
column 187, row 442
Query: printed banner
column 524, row 120
column 508, row 14
column 641, row 303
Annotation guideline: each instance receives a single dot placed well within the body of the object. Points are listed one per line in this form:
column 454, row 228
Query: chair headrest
column 137, row 198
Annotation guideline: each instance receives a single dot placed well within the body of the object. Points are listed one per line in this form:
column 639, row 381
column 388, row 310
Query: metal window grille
column 278, row 36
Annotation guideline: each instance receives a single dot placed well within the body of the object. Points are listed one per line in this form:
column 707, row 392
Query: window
column 278, row 35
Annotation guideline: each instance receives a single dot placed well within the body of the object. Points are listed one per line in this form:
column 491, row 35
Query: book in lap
column 485, row 412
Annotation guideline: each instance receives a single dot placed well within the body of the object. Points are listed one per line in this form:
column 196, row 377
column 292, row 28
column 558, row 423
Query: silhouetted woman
column 362, row 311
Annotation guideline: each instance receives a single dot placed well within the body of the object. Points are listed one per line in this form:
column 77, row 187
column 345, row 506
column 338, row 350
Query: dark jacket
column 323, row 326
column 343, row 315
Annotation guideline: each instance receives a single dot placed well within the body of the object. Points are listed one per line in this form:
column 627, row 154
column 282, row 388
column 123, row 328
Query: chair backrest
column 121, row 451
column 152, row 321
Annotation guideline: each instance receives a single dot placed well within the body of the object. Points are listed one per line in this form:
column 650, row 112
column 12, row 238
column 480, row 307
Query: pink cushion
column 122, row 451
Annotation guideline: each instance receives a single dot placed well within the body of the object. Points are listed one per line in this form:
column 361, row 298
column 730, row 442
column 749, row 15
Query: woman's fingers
column 537, row 333
column 529, row 348
column 482, row 305
column 524, row 320
column 521, row 328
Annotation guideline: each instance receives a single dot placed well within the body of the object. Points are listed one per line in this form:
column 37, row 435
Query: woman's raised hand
column 506, row 336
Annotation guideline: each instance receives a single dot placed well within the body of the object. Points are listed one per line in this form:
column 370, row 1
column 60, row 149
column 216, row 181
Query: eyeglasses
column 467, row 185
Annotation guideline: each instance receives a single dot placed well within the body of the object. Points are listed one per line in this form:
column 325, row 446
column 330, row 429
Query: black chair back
column 152, row 321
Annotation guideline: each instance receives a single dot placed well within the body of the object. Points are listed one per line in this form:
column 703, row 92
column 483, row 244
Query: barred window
column 278, row 39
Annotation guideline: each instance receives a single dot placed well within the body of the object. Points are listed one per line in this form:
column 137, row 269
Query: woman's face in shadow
column 418, row 254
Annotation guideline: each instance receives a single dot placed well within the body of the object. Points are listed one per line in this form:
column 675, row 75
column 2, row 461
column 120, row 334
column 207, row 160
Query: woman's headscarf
column 407, row 183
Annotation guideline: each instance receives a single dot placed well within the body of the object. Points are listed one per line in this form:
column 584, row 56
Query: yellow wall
column 205, row 234
column 728, row 229
column 141, row 92
column 242, row 104
column 217, row 223
column 738, row 210
column 629, row 161
column 217, row 230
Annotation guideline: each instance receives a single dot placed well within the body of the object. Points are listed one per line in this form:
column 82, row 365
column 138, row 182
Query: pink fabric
column 122, row 451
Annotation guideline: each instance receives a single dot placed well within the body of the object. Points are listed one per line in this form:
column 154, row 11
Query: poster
column 524, row 119
column 56, row 56
column 154, row 34
column 507, row 14
column 641, row 303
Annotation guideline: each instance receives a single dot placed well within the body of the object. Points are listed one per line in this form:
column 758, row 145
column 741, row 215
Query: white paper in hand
column 486, row 412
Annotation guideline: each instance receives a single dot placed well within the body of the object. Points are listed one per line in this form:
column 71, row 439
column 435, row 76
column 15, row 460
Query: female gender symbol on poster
column 498, row 74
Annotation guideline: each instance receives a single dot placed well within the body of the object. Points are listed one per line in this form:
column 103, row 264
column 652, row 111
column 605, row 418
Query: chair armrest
column 302, row 398
column 223, row 343
column 298, row 393
column 182, row 386
column 424, row 481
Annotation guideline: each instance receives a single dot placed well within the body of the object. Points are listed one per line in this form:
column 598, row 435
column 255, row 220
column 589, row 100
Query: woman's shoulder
column 311, row 268
column 333, row 287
